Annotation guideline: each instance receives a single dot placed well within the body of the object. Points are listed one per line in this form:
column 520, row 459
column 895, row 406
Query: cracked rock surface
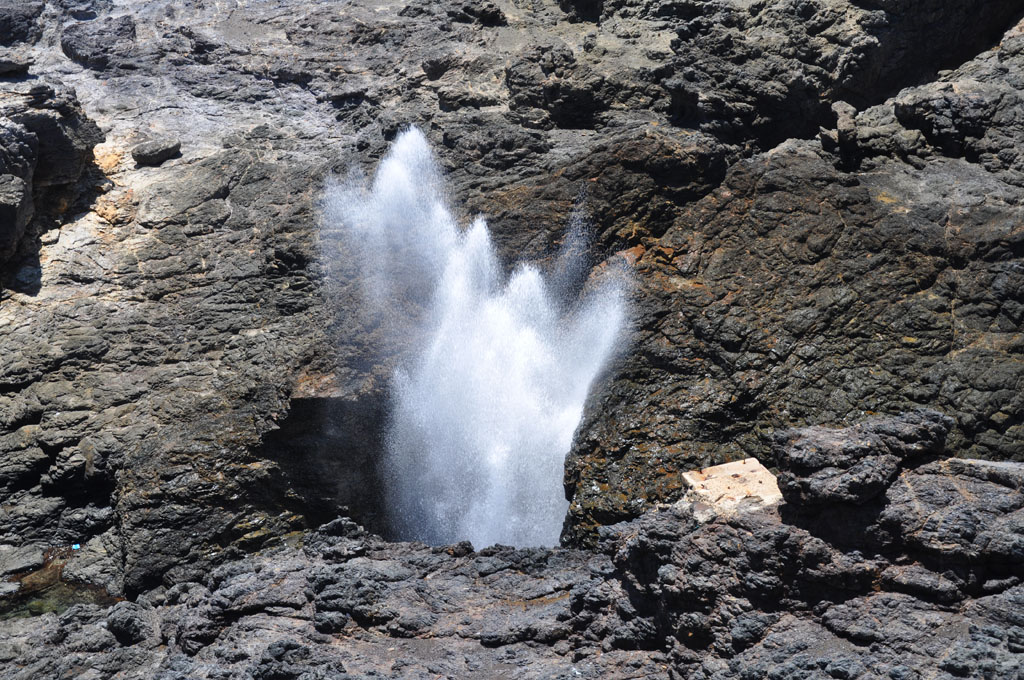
column 760, row 593
column 877, row 269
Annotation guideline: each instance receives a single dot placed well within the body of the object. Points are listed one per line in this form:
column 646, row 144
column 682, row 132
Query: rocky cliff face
column 875, row 269
column 821, row 201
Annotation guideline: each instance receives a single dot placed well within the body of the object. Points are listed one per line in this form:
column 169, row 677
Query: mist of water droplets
column 484, row 409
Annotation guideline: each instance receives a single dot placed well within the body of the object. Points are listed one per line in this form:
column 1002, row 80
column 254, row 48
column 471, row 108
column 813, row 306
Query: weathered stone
column 19, row 21
column 741, row 595
column 99, row 43
column 155, row 337
column 155, row 151
column 13, row 63
column 752, row 305
column 20, row 560
column 957, row 518
column 853, row 465
column 45, row 144
column 208, row 272
column 129, row 623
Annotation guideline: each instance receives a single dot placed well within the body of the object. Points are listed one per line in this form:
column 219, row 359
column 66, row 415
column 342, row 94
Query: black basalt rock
column 129, row 623
column 854, row 465
column 156, row 151
column 19, row 21
column 100, row 43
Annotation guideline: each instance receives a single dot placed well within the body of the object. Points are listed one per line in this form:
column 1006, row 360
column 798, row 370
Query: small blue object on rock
column 76, row 546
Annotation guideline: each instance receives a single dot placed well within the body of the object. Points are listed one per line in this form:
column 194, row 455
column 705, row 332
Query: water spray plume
column 485, row 407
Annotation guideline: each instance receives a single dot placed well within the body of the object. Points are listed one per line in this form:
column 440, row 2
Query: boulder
column 156, row 151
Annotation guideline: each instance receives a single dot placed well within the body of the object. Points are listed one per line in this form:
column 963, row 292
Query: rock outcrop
column 46, row 144
column 813, row 287
column 929, row 586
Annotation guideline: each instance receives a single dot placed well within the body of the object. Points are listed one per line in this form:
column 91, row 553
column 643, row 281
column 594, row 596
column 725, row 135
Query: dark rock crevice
column 327, row 455
column 46, row 169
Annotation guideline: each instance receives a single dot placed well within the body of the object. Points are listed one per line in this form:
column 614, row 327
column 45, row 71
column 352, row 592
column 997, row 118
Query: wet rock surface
column 821, row 202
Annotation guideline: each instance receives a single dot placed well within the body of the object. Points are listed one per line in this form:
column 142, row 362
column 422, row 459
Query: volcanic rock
column 666, row 596
column 99, row 43
column 19, row 21
column 820, row 202
column 156, row 151
column 803, row 292
column 825, row 467
column 13, row 64
column 46, row 144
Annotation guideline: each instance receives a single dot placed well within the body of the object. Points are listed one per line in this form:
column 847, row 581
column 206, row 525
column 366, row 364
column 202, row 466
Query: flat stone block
column 729, row 486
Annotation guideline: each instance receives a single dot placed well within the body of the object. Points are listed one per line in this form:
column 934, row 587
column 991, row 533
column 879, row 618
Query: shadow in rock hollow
column 50, row 208
column 328, row 451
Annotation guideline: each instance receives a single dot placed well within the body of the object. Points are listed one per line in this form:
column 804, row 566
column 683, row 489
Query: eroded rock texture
column 814, row 287
column 927, row 586
column 821, row 201
column 46, row 143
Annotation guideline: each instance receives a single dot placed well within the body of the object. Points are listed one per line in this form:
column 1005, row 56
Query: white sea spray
column 485, row 407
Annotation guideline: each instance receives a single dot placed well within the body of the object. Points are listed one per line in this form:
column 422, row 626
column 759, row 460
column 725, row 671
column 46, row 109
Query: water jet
column 485, row 401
